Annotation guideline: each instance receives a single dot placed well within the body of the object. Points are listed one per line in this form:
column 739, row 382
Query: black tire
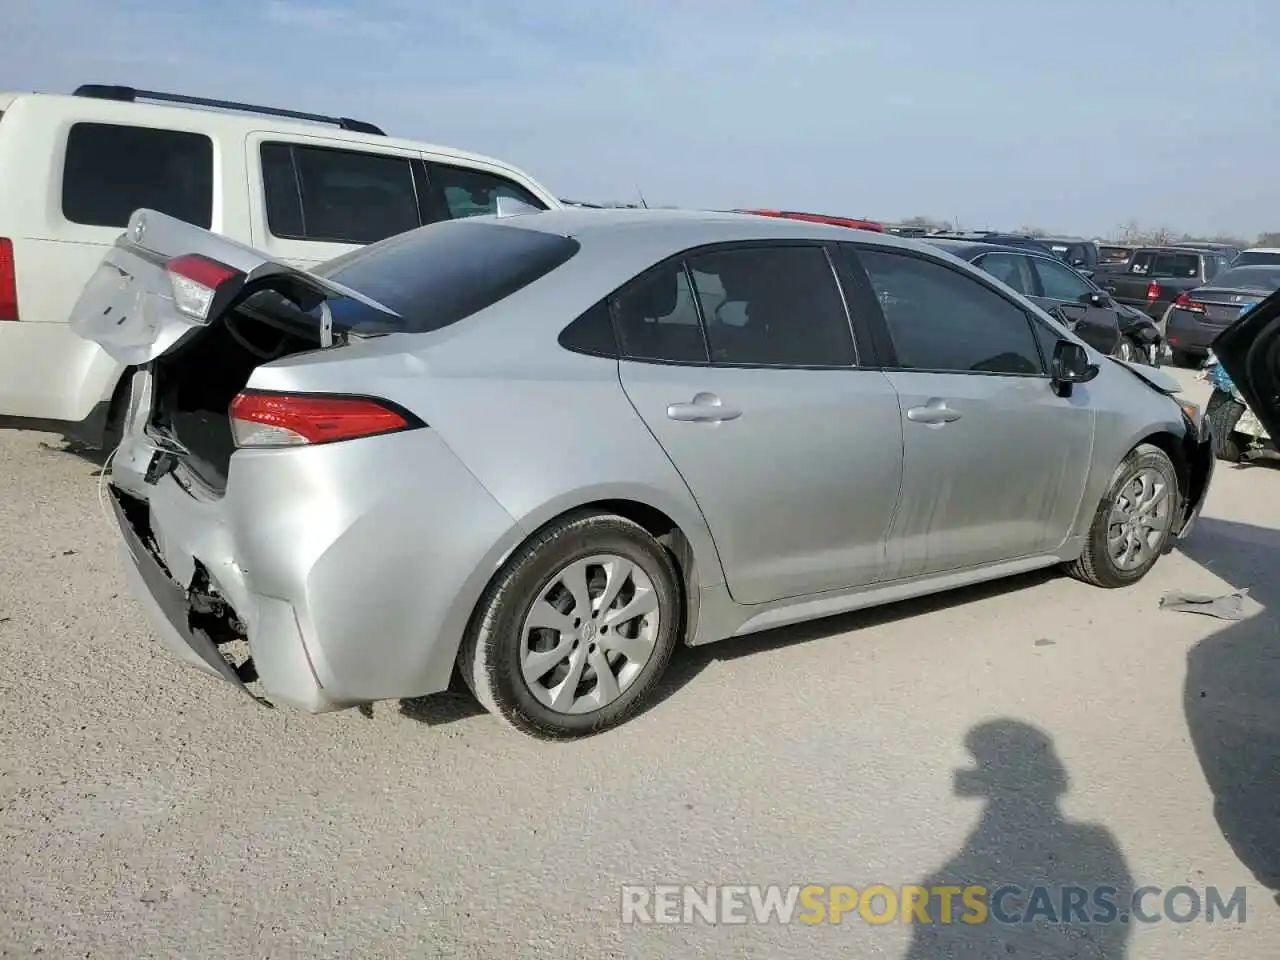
column 491, row 654
column 1224, row 412
column 1095, row 565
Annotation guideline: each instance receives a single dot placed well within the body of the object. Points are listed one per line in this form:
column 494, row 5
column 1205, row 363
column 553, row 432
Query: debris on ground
column 1228, row 606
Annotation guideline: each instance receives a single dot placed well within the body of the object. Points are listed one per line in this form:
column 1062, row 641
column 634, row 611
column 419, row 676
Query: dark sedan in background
column 1063, row 292
column 1199, row 315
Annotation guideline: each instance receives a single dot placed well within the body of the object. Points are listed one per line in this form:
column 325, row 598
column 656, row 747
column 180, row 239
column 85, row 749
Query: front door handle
column 933, row 412
column 705, row 408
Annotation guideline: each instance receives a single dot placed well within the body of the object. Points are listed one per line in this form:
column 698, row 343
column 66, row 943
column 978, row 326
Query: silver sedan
column 547, row 449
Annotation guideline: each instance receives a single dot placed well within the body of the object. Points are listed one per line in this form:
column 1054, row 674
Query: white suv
column 300, row 187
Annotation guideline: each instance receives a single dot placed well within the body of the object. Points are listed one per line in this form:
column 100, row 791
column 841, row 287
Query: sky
column 1070, row 115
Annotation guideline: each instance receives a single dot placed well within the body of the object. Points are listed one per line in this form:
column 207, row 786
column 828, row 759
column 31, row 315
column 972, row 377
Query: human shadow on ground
column 1023, row 840
column 1232, row 695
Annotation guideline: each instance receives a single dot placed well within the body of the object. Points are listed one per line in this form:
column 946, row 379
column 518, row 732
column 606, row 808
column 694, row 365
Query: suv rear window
column 112, row 170
column 443, row 273
column 1176, row 265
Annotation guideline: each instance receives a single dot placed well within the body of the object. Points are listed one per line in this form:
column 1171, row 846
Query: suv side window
column 474, row 193
column 111, row 170
column 657, row 318
column 1060, row 283
column 337, row 196
column 773, row 306
column 938, row 319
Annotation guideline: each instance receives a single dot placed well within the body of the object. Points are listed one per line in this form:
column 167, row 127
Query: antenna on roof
column 641, row 195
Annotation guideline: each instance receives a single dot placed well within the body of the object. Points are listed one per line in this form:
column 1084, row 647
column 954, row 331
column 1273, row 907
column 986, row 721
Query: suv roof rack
column 103, row 91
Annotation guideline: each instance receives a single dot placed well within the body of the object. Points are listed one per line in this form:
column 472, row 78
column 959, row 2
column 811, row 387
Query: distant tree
column 1034, row 231
column 1268, row 240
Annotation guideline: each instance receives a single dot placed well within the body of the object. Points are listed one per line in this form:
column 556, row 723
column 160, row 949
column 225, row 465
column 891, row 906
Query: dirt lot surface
column 146, row 811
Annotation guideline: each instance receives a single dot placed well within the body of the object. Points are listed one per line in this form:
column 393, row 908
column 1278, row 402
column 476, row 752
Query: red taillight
column 283, row 420
column 195, row 281
column 1153, row 291
column 1184, row 302
column 8, row 281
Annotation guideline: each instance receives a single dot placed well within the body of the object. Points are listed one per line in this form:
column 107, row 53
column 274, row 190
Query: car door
column 994, row 461
column 1064, row 293
column 742, row 363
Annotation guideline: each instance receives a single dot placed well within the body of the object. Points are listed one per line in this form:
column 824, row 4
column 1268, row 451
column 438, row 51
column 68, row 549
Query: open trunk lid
column 165, row 279
column 1249, row 350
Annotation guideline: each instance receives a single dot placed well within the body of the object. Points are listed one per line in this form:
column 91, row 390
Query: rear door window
column 474, row 193
column 111, row 170
column 337, row 196
column 773, row 306
column 1011, row 269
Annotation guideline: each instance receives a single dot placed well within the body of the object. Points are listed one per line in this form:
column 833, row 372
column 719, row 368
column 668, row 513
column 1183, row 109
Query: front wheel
column 577, row 628
column 1134, row 522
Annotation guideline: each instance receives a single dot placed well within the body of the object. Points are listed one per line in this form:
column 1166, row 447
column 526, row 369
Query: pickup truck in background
column 1156, row 275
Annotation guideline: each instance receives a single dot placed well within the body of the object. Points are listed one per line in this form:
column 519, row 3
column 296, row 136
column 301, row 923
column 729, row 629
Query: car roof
column 1261, row 250
column 691, row 227
column 230, row 123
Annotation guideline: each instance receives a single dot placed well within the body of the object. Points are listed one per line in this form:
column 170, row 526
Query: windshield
column 1251, row 278
column 440, row 274
column 1254, row 257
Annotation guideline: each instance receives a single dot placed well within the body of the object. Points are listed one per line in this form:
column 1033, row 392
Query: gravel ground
column 148, row 812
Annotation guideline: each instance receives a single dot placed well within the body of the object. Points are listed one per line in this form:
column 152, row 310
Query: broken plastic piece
column 1228, row 606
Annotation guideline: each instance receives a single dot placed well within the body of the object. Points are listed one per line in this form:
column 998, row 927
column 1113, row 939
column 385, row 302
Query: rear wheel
column 1224, row 412
column 577, row 628
column 1134, row 521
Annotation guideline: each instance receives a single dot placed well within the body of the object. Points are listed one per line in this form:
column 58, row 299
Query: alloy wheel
column 589, row 633
column 1140, row 518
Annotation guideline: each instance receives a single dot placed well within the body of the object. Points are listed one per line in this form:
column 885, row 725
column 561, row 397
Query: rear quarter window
column 438, row 275
column 111, row 170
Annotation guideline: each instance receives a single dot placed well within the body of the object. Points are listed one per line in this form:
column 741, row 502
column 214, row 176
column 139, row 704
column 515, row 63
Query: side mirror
column 1097, row 298
column 1084, row 272
column 1070, row 365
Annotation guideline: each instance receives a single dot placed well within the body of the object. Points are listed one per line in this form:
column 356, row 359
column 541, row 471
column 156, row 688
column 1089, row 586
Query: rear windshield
column 1170, row 265
column 1114, row 254
column 1252, row 258
column 440, row 274
column 1250, row 277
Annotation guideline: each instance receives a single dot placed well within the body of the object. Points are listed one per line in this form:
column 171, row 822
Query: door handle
column 705, row 408
column 935, row 412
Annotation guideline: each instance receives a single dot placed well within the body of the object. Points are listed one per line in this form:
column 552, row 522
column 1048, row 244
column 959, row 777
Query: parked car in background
column 1156, row 275
column 1073, row 251
column 368, row 499
column 302, row 187
column 1228, row 250
column 853, row 222
column 1257, row 256
column 1063, row 292
column 1198, row 316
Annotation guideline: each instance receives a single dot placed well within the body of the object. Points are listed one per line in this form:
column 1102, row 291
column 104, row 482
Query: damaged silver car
column 544, row 450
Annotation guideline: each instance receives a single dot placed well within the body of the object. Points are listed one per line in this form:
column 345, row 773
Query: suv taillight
column 260, row 419
column 1153, row 292
column 8, row 281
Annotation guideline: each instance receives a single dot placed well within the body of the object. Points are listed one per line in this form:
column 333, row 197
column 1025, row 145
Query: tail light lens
column 196, row 281
column 8, row 281
column 1184, row 302
column 290, row 420
column 1153, row 291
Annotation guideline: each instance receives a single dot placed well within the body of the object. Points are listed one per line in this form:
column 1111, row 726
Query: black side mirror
column 1097, row 298
column 1070, row 365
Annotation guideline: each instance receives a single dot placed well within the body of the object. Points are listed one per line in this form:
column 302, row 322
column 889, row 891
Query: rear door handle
column 933, row 412
column 704, row 408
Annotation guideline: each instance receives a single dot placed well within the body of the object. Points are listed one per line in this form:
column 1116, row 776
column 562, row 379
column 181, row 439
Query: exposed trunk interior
column 195, row 384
